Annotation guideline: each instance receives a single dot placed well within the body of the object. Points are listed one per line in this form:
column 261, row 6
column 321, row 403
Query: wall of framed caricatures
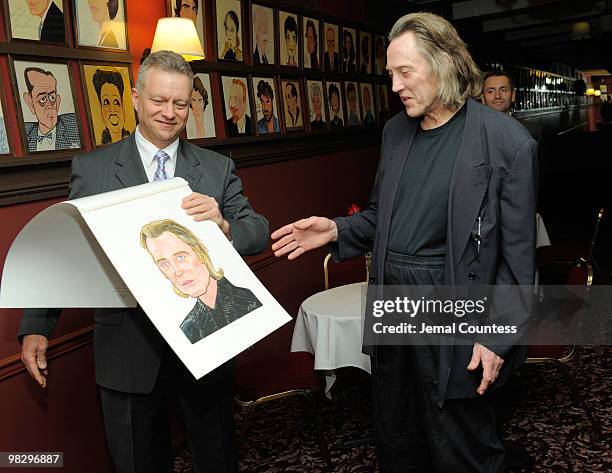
column 271, row 72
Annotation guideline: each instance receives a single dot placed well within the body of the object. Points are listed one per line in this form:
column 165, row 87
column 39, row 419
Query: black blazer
column 232, row 128
column 327, row 64
column 494, row 178
column 127, row 346
column 53, row 25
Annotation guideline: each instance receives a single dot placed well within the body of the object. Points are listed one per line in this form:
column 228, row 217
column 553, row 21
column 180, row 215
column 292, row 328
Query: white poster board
column 87, row 253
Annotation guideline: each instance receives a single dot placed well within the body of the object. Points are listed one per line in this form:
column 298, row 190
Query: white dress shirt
column 147, row 151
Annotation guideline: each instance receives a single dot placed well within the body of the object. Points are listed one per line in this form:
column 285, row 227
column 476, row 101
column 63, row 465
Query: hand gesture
column 304, row 235
column 33, row 350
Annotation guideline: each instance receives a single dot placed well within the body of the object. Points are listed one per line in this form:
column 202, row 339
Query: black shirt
column 420, row 210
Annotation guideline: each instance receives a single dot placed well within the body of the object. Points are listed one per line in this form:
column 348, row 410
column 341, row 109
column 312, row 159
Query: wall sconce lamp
column 590, row 91
column 178, row 35
column 597, row 93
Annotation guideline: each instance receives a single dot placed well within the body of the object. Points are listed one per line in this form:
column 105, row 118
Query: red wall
column 66, row 416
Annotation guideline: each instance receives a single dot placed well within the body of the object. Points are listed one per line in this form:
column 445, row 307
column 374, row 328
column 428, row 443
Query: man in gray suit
column 453, row 204
column 135, row 368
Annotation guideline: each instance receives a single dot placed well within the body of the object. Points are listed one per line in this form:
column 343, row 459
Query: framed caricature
column 230, row 28
column 379, row 55
column 336, row 108
column 365, row 53
column 352, row 104
column 109, row 102
column 367, row 105
column 292, row 104
column 101, row 23
column 316, row 105
column 237, row 106
column 37, row 20
column 192, row 9
column 349, row 52
column 201, row 119
column 311, row 30
column 4, row 142
column 263, row 35
column 289, row 39
column 266, row 105
column 45, row 94
column 331, row 56
column 382, row 103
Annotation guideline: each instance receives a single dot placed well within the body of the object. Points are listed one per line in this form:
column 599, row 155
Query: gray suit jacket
column 67, row 133
column 494, row 178
column 127, row 346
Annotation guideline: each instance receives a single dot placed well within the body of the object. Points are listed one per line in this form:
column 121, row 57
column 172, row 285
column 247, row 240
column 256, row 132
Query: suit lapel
column 187, row 167
column 469, row 183
column 129, row 168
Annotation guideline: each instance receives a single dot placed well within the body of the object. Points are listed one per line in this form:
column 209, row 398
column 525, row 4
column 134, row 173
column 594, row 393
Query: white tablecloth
column 329, row 325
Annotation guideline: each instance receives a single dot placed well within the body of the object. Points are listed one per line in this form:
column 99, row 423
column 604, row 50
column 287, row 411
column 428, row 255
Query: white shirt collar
column 147, row 151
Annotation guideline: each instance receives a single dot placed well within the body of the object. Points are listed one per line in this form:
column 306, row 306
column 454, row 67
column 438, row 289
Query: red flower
column 353, row 209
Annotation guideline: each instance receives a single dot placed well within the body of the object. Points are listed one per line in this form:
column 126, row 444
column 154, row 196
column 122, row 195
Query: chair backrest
column 346, row 272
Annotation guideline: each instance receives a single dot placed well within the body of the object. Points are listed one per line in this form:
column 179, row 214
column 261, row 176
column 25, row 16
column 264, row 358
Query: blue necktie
column 160, row 173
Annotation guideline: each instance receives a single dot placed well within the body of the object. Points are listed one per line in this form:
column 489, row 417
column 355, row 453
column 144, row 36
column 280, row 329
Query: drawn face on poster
column 47, row 107
column 316, row 105
column 263, row 35
column 367, row 105
column 331, row 56
column 311, row 43
column 365, row 42
column 336, row 113
column 192, row 9
column 37, row 20
column 229, row 30
column 382, row 104
column 352, row 104
column 379, row 55
column 237, row 106
column 201, row 120
column 289, row 39
column 182, row 259
column 4, row 146
column 101, row 23
column 292, row 103
column 349, row 54
column 266, row 103
column 110, row 102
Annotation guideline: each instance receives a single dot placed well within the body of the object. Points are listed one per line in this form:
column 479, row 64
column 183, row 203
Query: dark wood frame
column 277, row 103
column 82, row 65
column 273, row 38
column 246, row 78
column 300, row 101
column 215, row 115
column 9, row 32
column 342, row 104
column 320, row 50
column 202, row 10
column 18, row 107
column 300, row 43
column 324, row 105
column 99, row 48
column 245, row 52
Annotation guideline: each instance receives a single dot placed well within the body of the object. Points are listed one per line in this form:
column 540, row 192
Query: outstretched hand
column 297, row 238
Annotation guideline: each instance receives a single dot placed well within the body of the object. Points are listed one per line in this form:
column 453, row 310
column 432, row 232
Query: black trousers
column 413, row 434
column 137, row 428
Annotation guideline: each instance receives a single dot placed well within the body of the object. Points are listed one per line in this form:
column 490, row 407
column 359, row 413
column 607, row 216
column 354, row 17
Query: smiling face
column 411, row 77
column 498, row 93
column 111, row 104
column 179, row 264
column 162, row 105
column 99, row 10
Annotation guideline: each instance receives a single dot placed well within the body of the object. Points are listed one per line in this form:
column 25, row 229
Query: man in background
column 51, row 131
column 498, row 91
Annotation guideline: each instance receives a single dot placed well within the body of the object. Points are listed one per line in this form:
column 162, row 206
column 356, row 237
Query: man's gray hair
column 451, row 65
column 166, row 61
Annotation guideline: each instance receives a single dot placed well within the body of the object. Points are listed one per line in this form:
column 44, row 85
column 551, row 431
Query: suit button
column 471, row 276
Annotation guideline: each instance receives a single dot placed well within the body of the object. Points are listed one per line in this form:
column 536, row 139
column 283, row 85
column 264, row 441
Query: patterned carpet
column 542, row 418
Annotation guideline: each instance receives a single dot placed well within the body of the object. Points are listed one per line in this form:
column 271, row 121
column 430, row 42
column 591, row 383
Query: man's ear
column 27, row 98
column 135, row 98
column 513, row 95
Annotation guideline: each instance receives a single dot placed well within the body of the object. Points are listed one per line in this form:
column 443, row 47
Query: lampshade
column 590, row 91
column 597, row 93
column 178, row 35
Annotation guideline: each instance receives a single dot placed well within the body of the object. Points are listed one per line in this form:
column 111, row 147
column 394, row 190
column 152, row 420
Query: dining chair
column 345, row 272
column 276, row 377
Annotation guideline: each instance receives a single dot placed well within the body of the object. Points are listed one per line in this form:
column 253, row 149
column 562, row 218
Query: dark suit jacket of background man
column 495, row 178
column 127, row 346
column 232, row 128
column 53, row 25
column 327, row 65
